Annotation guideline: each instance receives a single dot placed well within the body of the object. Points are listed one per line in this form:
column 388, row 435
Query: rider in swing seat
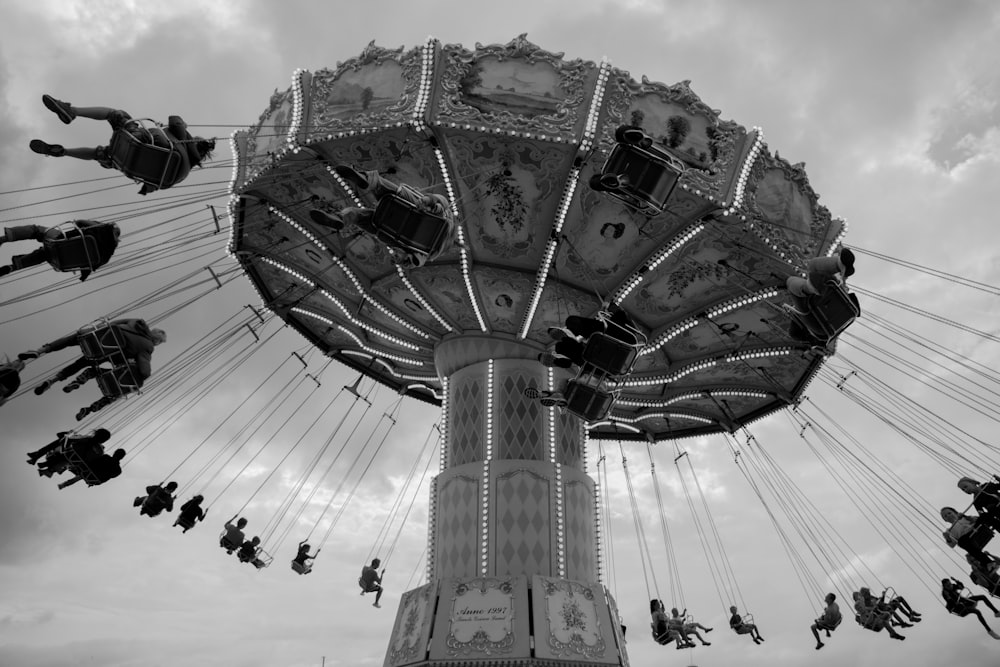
column 190, row 513
column 126, row 149
column 829, row 621
column 968, row 531
column 300, row 563
column 663, row 631
column 985, row 498
column 55, row 453
column 821, row 306
column 637, row 172
column 371, row 581
column 233, row 536
column 742, row 626
column 83, row 245
column 131, row 341
column 429, row 228
column 157, row 499
column 964, row 605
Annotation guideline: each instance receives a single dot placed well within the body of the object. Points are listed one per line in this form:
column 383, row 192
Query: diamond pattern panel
column 466, row 411
column 523, row 524
column 579, row 503
column 457, row 527
column 520, row 420
column 569, row 432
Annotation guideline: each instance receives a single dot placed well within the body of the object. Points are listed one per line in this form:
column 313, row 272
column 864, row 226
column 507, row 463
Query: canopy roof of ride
column 512, row 134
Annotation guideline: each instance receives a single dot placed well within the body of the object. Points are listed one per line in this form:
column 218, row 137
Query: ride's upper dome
column 511, row 134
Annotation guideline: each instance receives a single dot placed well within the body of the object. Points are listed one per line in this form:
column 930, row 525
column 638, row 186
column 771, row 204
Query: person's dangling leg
column 982, row 620
column 33, row 258
column 47, row 449
column 986, row 601
column 360, row 217
column 94, row 113
column 583, row 326
column 23, row 233
column 571, row 349
column 54, row 346
column 82, row 153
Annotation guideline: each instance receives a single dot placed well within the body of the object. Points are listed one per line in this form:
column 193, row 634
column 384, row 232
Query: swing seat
column 118, row 381
column 608, row 355
column 662, row 638
column 77, row 248
column 79, row 467
column 145, row 153
column 99, row 341
column 650, row 174
column 400, row 224
column 830, row 312
column 300, row 568
column 977, row 539
column 185, row 522
column 587, row 402
column 227, row 544
column 831, row 627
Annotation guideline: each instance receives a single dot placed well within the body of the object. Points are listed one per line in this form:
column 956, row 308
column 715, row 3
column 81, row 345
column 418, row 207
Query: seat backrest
column 399, row 223
column 145, row 162
column 608, row 354
column 833, row 309
column 78, row 466
column 652, row 174
column 586, row 402
column 119, row 381
column 100, row 341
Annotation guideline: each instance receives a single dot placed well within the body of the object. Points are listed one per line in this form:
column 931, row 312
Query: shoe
column 138, row 501
column 558, row 333
column 820, row 645
column 333, row 221
column 352, row 175
column 72, row 386
column 997, row 614
column 30, row 354
column 706, row 643
column 994, row 635
column 708, row 629
column 4, row 270
column 62, row 109
column 42, row 148
column 376, row 605
column 756, row 641
column 531, row 392
column 553, row 400
column 906, row 625
column 82, row 413
column 44, row 387
column 899, row 637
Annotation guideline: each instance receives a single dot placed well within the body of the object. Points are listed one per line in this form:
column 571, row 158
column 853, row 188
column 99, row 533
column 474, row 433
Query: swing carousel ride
column 573, row 195
column 695, row 252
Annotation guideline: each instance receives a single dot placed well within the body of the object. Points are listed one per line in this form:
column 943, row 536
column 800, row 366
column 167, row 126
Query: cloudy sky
column 893, row 106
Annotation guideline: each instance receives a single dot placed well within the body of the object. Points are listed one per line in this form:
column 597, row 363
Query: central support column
column 513, row 540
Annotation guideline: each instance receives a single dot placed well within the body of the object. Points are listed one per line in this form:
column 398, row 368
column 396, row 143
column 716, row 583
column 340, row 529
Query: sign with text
column 482, row 617
column 489, row 611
